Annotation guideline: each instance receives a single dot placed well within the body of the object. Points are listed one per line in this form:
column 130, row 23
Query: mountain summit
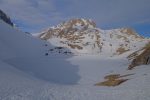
column 83, row 37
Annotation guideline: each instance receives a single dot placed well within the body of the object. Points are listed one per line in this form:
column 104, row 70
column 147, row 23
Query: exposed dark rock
column 58, row 47
column 46, row 54
column 141, row 59
column 5, row 18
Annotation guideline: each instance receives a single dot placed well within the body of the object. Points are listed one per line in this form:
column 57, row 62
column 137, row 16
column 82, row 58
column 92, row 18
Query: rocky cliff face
column 82, row 36
column 5, row 18
column 141, row 57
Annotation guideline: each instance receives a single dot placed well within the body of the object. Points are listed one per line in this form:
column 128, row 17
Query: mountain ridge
column 83, row 37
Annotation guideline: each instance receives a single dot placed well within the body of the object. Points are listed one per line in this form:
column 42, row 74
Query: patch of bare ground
column 130, row 31
column 113, row 80
column 121, row 50
column 134, row 54
column 75, row 46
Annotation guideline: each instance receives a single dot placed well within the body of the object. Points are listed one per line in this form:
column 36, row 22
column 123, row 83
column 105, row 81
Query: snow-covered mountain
column 82, row 36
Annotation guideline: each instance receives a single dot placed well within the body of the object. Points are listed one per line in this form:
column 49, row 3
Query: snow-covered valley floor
column 70, row 78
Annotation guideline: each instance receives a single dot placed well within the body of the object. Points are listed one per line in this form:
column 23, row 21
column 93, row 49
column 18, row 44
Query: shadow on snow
column 53, row 69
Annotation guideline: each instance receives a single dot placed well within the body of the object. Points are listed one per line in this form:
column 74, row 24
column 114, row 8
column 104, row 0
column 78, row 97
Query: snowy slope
column 27, row 53
column 18, row 85
column 19, row 43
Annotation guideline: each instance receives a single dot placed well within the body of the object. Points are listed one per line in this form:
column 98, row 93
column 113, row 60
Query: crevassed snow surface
column 27, row 74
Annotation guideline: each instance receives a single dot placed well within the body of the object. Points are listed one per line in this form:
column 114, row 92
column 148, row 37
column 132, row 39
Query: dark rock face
column 5, row 18
column 142, row 59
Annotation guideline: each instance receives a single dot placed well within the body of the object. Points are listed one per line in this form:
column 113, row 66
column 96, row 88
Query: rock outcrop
column 141, row 59
column 5, row 18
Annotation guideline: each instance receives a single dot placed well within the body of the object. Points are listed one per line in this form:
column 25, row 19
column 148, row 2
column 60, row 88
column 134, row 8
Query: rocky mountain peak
column 72, row 29
column 5, row 18
column 130, row 32
column 78, row 24
column 82, row 36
